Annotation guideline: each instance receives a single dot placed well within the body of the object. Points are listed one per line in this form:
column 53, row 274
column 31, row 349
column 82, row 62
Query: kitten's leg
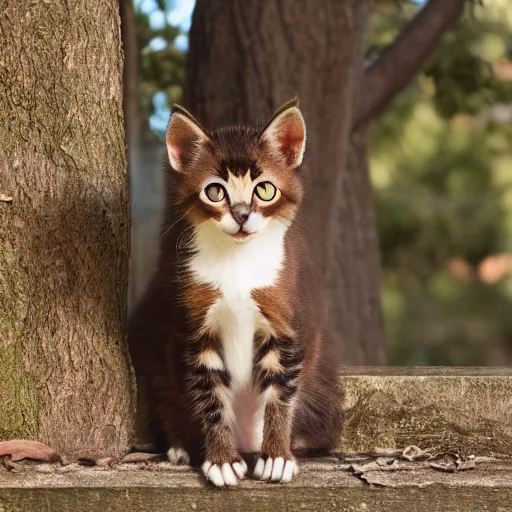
column 165, row 401
column 209, row 385
column 277, row 371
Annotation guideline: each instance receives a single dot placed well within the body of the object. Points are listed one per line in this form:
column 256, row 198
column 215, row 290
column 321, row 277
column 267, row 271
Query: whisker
column 183, row 244
column 284, row 222
column 168, row 229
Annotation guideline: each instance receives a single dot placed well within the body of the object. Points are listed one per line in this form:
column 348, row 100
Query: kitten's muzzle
column 240, row 212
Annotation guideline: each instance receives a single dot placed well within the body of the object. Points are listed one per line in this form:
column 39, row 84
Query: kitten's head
column 238, row 177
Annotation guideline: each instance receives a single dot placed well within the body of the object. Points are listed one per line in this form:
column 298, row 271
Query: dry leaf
column 106, row 462
column 85, row 461
column 5, row 199
column 141, row 457
column 360, row 469
column 385, row 461
column 467, row 464
column 447, row 468
column 6, row 462
column 20, row 449
column 412, row 452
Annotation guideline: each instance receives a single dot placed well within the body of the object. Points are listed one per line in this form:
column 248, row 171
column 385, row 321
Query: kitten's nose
column 240, row 212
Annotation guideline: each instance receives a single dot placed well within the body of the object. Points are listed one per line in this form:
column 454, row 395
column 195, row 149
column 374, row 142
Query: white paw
column 227, row 474
column 178, row 456
column 275, row 470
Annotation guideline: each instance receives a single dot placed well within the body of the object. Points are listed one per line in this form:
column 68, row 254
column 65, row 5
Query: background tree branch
column 393, row 71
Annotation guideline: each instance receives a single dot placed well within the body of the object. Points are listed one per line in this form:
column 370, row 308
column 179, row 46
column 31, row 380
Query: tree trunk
column 64, row 237
column 131, row 97
column 271, row 52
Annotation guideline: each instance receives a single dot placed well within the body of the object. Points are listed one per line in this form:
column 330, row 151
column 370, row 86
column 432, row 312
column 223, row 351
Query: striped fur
column 231, row 330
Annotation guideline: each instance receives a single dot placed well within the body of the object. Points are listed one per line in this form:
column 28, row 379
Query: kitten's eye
column 215, row 192
column 265, row 191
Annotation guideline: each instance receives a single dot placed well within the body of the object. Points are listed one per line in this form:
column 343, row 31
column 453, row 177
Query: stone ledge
column 464, row 410
column 427, row 371
column 322, row 485
column 468, row 411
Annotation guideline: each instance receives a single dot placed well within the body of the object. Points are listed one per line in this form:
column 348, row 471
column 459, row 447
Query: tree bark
column 132, row 121
column 272, row 51
column 64, row 238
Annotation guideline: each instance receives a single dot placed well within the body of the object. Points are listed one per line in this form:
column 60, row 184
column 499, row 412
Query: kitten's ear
column 184, row 138
column 285, row 133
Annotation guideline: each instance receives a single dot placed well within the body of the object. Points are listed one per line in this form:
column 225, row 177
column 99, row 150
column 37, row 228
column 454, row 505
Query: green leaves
column 440, row 160
column 162, row 69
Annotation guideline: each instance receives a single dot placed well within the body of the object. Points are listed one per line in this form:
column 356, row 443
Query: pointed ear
column 184, row 138
column 285, row 133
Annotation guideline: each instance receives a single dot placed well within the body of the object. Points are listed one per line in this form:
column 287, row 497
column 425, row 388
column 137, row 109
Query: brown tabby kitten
column 235, row 312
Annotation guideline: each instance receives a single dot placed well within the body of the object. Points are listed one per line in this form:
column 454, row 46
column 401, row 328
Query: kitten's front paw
column 224, row 474
column 178, row 456
column 278, row 469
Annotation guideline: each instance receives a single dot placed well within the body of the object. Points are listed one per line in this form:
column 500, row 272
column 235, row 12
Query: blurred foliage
column 161, row 69
column 439, row 159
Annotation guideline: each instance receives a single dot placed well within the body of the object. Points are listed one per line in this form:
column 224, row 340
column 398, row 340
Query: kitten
column 234, row 314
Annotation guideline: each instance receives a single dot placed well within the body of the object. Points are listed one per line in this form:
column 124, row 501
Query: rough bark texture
column 272, row 51
column 64, row 239
column 132, row 121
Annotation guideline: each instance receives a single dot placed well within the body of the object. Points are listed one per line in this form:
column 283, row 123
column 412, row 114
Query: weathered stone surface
column 321, row 486
column 464, row 410
column 467, row 411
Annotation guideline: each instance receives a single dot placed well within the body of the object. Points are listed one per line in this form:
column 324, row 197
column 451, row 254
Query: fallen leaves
column 142, row 457
column 382, row 468
column 19, row 449
column 6, row 462
column 410, row 458
column 130, row 458
column 452, row 463
column 412, row 452
column 105, row 462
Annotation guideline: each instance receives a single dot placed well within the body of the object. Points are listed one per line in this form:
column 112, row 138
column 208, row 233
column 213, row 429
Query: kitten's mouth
column 241, row 236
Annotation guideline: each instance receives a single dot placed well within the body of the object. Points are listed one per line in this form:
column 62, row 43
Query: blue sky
column 179, row 14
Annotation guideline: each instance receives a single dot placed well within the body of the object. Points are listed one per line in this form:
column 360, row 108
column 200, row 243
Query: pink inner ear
column 291, row 139
column 176, row 154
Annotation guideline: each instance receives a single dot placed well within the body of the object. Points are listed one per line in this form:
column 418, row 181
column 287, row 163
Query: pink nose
column 240, row 212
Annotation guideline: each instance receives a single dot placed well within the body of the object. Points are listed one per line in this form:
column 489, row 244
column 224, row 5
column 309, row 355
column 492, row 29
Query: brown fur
column 278, row 429
column 220, row 446
column 164, row 335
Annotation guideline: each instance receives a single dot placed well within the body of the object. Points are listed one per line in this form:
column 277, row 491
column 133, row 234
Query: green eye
column 265, row 191
column 215, row 192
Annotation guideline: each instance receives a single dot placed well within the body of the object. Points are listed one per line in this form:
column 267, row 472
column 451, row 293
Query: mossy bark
column 64, row 237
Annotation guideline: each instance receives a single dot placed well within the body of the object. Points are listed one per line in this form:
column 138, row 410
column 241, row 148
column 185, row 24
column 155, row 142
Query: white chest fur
column 236, row 270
